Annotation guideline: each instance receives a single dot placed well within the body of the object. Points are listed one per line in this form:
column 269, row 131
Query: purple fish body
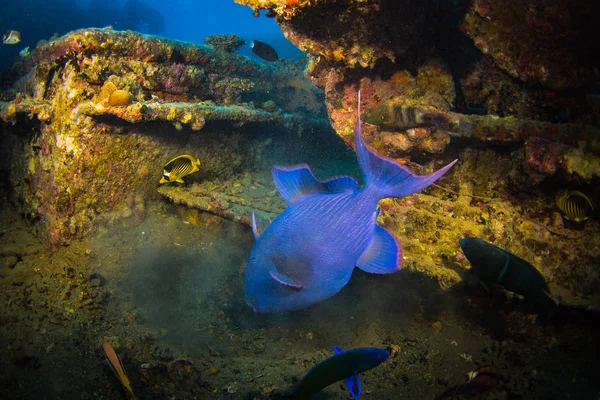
column 307, row 254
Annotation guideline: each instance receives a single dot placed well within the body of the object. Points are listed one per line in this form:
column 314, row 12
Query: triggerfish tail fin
column 115, row 363
column 353, row 382
column 388, row 176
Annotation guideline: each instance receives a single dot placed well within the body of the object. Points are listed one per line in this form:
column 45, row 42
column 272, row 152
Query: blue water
column 186, row 20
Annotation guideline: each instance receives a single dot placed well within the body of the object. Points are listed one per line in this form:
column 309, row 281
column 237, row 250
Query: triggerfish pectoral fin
column 353, row 382
column 391, row 178
column 284, row 280
column 383, row 256
column 295, row 182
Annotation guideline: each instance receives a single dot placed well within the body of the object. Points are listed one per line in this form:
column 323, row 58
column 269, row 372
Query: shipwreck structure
column 91, row 118
column 88, row 121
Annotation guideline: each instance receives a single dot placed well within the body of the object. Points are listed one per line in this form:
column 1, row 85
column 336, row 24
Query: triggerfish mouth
column 307, row 254
column 344, row 365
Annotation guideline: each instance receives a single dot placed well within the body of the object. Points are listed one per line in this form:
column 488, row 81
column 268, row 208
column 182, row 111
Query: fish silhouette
column 343, row 365
column 264, row 50
column 307, row 254
column 493, row 265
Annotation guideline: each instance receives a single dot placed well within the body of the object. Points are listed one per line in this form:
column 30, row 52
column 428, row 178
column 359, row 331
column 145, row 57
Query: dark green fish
column 264, row 51
column 396, row 116
column 493, row 265
column 179, row 167
column 337, row 368
column 575, row 205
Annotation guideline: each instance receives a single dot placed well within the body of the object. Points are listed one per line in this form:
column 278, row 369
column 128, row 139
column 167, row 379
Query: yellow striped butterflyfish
column 575, row 205
column 179, row 167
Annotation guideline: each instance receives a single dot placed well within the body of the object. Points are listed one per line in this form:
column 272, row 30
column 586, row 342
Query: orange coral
column 119, row 98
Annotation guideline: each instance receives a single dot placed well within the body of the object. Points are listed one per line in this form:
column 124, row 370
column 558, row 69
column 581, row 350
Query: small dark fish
column 264, row 51
column 179, row 167
column 575, row 205
column 397, row 116
column 341, row 366
column 353, row 383
column 11, row 37
column 493, row 265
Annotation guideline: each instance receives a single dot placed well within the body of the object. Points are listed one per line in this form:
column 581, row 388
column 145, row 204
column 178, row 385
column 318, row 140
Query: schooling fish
column 179, row 167
column 307, row 254
column 397, row 116
column 344, row 365
column 115, row 363
column 575, row 205
column 11, row 37
column 264, row 50
column 493, row 265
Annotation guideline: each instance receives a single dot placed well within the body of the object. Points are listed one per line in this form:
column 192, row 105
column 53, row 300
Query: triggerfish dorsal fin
column 383, row 256
column 387, row 175
column 298, row 181
column 353, row 383
column 258, row 225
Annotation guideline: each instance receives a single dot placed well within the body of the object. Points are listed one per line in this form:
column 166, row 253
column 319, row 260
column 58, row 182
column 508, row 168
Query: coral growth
column 227, row 43
column 91, row 84
column 119, row 98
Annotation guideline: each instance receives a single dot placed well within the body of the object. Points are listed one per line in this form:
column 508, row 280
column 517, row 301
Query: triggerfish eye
column 252, row 259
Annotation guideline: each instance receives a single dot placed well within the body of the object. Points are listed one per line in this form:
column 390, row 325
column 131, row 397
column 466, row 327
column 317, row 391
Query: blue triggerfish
column 493, row 265
column 307, row 254
column 344, row 365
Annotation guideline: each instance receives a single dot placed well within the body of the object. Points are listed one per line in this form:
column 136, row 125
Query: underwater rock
column 539, row 42
column 227, row 43
column 412, row 53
